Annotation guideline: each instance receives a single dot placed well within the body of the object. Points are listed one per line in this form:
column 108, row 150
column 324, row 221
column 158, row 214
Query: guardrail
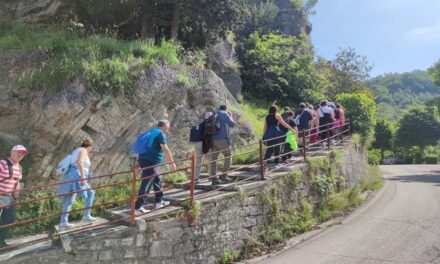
column 187, row 164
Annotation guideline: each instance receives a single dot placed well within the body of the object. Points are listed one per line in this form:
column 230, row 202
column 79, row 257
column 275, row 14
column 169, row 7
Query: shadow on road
column 426, row 178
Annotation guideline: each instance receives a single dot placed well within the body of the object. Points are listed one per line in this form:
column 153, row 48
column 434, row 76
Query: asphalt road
column 401, row 224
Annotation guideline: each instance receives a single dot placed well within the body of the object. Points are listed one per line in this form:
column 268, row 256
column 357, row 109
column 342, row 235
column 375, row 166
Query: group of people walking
column 210, row 138
column 281, row 131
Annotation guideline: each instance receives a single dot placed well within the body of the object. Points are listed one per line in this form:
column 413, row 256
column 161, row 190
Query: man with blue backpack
column 151, row 147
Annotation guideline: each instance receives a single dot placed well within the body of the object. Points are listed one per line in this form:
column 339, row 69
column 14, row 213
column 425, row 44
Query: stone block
column 130, row 253
column 161, row 248
column 128, row 241
column 174, row 233
column 243, row 234
column 97, row 245
column 183, row 248
column 141, row 240
column 112, row 242
column 141, row 252
column 106, row 255
column 210, row 229
column 142, row 226
column 254, row 210
column 162, row 225
column 249, row 221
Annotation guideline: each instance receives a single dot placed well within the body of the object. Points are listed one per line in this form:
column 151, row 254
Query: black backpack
column 212, row 124
column 195, row 134
column 337, row 113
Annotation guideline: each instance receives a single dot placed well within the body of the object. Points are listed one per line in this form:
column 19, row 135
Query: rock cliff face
column 222, row 61
column 31, row 10
column 53, row 124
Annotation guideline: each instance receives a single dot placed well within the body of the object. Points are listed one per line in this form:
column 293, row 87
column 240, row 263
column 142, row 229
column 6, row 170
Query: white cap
column 19, row 148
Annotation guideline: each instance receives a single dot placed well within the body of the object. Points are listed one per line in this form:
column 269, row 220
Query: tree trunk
column 382, row 155
column 175, row 22
column 147, row 19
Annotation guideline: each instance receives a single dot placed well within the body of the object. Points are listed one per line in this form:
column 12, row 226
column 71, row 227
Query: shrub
column 228, row 256
column 374, row 157
column 276, row 67
column 361, row 110
column 108, row 76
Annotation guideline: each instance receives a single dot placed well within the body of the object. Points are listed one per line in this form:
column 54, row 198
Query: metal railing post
column 328, row 137
column 261, row 159
column 193, row 173
column 341, row 133
column 304, row 143
column 133, row 196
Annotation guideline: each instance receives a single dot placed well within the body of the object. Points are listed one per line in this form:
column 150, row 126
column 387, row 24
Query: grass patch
column 372, row 180
column 246, row 158
column 109, row 65
column 255, row 117
column 228, row 256
column 176, row 177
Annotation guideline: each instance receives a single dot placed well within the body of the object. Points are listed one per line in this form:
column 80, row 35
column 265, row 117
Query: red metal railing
column 183, row 165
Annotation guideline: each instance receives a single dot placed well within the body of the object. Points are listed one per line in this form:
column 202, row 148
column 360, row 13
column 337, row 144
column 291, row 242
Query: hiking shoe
column 226, row 180
column 65, row 226
column 89, row 218
column 278, row 166
column 162, row 204
column 142, row 210
column 215, row 182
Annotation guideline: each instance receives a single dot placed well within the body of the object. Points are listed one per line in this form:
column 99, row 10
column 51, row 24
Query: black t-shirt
column 305, row 117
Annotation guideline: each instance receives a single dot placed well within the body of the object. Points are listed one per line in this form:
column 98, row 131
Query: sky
column 395, row 35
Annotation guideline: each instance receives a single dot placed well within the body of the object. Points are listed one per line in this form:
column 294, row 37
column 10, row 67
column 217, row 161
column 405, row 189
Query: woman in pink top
column 338, row 124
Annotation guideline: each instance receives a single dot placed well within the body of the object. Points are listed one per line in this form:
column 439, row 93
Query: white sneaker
column 142, row 210
column 89, row 218
column 65, row 226
column 162, row 204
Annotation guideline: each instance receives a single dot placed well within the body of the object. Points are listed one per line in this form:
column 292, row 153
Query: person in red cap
column 10, row 175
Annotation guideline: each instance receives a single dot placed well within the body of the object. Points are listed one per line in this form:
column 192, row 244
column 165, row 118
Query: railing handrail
column 192, row 167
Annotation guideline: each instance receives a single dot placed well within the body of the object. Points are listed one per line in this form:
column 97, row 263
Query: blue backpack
column 144, row 142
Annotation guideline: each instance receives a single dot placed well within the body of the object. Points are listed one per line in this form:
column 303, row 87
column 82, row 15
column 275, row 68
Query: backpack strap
column 11, row 172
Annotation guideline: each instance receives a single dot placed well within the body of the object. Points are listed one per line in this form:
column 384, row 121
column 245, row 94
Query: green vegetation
column 396, row 92
column 273, row 71
column 109, row 65
column 361, row 110
column 331, row 198
column 384, row 133
column 228, row 256
column 176, row 177
column 112, row 196
column 418, row 128
column 255, row 116
column 434, row 72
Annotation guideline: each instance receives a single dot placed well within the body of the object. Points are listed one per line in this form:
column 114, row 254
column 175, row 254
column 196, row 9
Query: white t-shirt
column 74, row 160
column 324, row 110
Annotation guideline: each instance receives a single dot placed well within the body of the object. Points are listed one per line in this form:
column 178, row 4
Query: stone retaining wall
column 226, row 221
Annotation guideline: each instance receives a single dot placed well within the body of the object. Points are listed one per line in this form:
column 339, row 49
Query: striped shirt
column 9, row 184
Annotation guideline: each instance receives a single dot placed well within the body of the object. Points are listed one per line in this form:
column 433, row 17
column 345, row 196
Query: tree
column 361, row 110
column 383, row 132
column 277, row 68
column 418, row 127
column 434, row 71
column 346, row 73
